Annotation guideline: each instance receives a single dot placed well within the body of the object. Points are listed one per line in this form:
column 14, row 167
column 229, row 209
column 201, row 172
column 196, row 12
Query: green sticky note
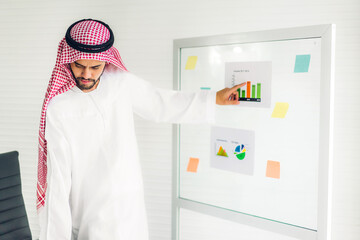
column 205, row 88
column 191, row 63
column 302, row 63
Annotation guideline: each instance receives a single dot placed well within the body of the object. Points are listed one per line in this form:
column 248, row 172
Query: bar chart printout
column 251, row 92
column 257, row 76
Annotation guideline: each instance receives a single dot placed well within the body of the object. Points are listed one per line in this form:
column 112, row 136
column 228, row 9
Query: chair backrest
column 14, row 223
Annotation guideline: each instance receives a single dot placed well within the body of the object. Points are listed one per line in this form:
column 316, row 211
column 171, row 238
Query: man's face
column 87, row 73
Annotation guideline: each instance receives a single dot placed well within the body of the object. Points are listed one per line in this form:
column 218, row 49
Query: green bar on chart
column 258, row 90
column 239, row 90
column 253, row 91
column 243, row 93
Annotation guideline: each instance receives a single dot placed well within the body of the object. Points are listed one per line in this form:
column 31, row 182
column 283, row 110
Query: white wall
column 144, row 30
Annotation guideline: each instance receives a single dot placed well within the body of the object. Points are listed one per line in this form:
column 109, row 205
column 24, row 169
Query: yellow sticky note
column 273, row 169
column 191, row 63
column 193, row 164
column 280, row 110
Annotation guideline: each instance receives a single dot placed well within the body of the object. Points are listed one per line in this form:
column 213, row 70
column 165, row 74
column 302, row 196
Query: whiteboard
column 282, row 71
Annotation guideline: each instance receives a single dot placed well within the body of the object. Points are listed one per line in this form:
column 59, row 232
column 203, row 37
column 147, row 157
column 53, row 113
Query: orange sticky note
column 191, row 63
column 273, row 169
column 193, row 164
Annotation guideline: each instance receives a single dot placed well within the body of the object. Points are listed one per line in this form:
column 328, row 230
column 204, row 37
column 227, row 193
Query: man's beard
column 86, row 87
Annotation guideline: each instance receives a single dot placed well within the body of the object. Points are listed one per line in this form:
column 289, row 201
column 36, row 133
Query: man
column 89, row 179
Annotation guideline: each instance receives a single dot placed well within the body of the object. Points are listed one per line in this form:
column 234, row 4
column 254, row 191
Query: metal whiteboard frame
column 327, row 35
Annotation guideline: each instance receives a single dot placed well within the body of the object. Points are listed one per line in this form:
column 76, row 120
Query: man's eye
column 95, row 68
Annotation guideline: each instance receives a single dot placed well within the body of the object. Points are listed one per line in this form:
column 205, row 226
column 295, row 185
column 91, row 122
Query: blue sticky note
column 302, row 63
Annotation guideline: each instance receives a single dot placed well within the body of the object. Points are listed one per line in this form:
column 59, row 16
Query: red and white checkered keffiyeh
column 85, row 32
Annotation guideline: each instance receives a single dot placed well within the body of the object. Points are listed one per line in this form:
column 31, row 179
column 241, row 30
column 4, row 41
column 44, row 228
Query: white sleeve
column 163, row 105
column 55, row 217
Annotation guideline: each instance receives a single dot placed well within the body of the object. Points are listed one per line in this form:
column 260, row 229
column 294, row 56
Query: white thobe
column 95, row 188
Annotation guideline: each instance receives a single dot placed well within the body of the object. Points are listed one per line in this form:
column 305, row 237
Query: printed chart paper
column 232, row 150
column 257, row 76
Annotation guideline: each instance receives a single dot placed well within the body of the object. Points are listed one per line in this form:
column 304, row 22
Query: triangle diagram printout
column 222, row 152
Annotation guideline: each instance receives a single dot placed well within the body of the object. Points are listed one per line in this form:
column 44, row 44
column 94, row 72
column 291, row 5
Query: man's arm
column 55, row 218
column 163, row 105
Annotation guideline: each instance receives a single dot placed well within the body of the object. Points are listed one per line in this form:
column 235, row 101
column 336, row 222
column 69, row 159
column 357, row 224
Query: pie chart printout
column 233, row 150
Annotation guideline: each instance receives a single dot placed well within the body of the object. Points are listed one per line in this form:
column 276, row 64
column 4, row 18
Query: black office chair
column 14, row 223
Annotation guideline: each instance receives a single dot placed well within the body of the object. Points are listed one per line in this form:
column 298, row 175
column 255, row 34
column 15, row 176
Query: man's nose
column 86, row 73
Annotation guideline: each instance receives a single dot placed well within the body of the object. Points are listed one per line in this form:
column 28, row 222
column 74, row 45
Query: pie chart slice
column 240, row 152
column 240, row 156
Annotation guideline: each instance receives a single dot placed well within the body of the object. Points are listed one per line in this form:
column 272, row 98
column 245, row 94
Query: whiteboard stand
column 323, row 231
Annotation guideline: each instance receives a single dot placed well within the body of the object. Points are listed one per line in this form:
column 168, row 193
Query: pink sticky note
column 193, row 164
column 273, row 169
